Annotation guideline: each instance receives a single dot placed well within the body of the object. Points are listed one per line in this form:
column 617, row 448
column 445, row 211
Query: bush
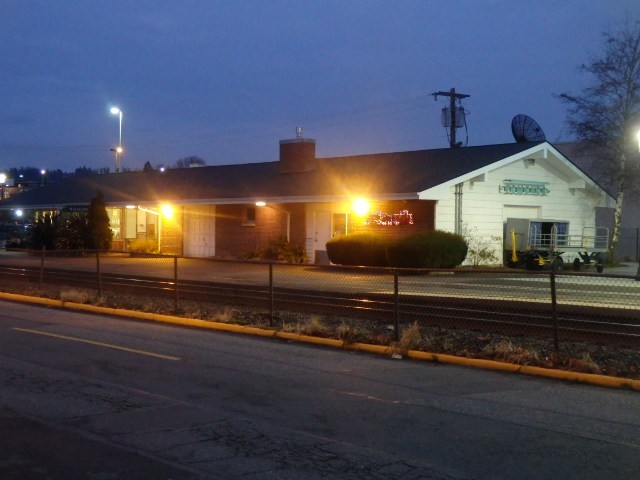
column 73, row 233
column 429, row 249
column 364, row 249
column 143, row 245
column 43, row 233
column 283, row 250
column 280, row 249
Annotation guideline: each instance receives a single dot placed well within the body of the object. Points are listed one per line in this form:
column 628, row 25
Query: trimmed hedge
column 432, row 249
column 358, row 249
column 429, row 249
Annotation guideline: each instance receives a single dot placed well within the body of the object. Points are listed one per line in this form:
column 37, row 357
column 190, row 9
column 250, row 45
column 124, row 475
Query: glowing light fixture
column 360, row 207
column 167, row 211
column 18, row 213
column 260, row 203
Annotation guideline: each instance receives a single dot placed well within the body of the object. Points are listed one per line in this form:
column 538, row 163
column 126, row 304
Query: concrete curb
column 587, row 378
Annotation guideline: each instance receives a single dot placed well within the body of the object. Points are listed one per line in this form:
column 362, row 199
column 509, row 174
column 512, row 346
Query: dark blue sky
column 226, row 80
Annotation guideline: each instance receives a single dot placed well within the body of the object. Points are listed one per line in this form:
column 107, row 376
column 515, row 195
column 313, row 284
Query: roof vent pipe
column 298, row 132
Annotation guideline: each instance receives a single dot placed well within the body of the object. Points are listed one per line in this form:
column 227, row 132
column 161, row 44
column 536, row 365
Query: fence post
column 554, row 311
column 175, row 283
column 41, row 268
column 98, row 273
column 271, row 294
column 396, row 305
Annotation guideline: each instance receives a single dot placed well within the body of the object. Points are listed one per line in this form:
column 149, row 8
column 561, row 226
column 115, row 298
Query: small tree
column 482, row 250
column 43, row 234
column 73, row 232
column 100, row 233
column 607, row 113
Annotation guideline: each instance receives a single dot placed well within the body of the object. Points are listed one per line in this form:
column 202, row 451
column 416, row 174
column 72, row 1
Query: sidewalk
column 624, row 269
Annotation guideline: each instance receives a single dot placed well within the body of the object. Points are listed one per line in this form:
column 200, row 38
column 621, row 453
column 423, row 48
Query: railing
column 591, row 239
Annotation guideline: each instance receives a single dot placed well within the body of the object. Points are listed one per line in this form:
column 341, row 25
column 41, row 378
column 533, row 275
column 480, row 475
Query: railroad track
column 611, row 325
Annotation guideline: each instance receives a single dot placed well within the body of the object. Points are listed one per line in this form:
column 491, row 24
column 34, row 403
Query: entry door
column 200, row 233
column 321, row 236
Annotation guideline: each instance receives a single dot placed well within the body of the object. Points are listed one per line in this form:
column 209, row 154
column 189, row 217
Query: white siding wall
column 484, row 207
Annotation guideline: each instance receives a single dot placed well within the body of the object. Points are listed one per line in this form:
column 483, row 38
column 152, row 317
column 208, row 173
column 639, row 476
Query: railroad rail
column 450, row 308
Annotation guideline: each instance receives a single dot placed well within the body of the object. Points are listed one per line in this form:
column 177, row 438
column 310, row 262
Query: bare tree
column 606, row 115
column 188, row 161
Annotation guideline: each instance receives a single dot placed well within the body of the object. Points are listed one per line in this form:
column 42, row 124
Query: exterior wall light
column 167, row 211
column 361, row 207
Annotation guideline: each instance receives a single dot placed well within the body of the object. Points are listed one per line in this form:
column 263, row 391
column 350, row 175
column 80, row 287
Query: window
column 249, row 217
column 115, row 221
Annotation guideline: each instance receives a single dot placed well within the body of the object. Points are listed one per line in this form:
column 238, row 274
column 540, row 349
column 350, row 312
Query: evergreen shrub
column 365, row 249
column 428, row 249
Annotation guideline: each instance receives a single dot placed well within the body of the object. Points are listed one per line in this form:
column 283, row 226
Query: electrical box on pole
column 452, row 117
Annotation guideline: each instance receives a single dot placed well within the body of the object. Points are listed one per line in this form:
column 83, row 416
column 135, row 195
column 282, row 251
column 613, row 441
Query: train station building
column 229, row 210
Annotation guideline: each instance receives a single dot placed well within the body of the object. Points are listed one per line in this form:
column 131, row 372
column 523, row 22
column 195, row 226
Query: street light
column 638, row 249
column 119, row 150
column 43, row 173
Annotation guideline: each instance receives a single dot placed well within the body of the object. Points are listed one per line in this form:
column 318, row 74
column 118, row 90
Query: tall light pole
column 638, row 247
column 119, row 150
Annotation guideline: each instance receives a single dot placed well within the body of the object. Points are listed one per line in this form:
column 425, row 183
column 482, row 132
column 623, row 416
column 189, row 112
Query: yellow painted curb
column 588, row 378
column 27, row 299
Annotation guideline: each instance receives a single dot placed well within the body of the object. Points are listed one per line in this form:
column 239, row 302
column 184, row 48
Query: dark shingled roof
column 403, row 173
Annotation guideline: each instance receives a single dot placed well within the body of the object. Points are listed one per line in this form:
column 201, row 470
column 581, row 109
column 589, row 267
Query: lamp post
column 3, row 178
column 119, row 150
column 637, row 249
column 43, row 173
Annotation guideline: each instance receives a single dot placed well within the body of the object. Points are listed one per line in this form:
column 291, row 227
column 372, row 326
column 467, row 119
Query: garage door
column 200, row 231
column 520, row 211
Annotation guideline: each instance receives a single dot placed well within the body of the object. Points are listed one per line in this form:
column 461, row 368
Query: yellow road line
column 100, row 344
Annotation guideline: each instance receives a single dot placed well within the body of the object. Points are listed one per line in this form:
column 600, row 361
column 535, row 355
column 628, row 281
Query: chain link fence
column 507, row 314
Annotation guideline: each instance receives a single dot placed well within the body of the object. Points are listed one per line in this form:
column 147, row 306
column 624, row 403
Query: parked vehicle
column 536, row 244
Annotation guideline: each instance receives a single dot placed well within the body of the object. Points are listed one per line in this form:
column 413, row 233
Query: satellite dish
column 526, row 129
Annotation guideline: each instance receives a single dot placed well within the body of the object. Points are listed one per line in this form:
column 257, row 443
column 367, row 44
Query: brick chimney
column 298, row 154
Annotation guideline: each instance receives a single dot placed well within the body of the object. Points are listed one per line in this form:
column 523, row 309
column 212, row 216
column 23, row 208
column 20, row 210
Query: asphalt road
column 88, row 396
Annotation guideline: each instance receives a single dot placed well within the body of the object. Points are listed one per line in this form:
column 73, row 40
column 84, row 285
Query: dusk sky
column 226, row 80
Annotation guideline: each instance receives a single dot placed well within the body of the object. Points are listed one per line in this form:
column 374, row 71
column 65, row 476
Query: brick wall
column 171, row 242
column 235, row 236
column 423, row 212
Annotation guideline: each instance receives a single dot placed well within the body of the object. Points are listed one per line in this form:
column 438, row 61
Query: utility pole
column 453, row 96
